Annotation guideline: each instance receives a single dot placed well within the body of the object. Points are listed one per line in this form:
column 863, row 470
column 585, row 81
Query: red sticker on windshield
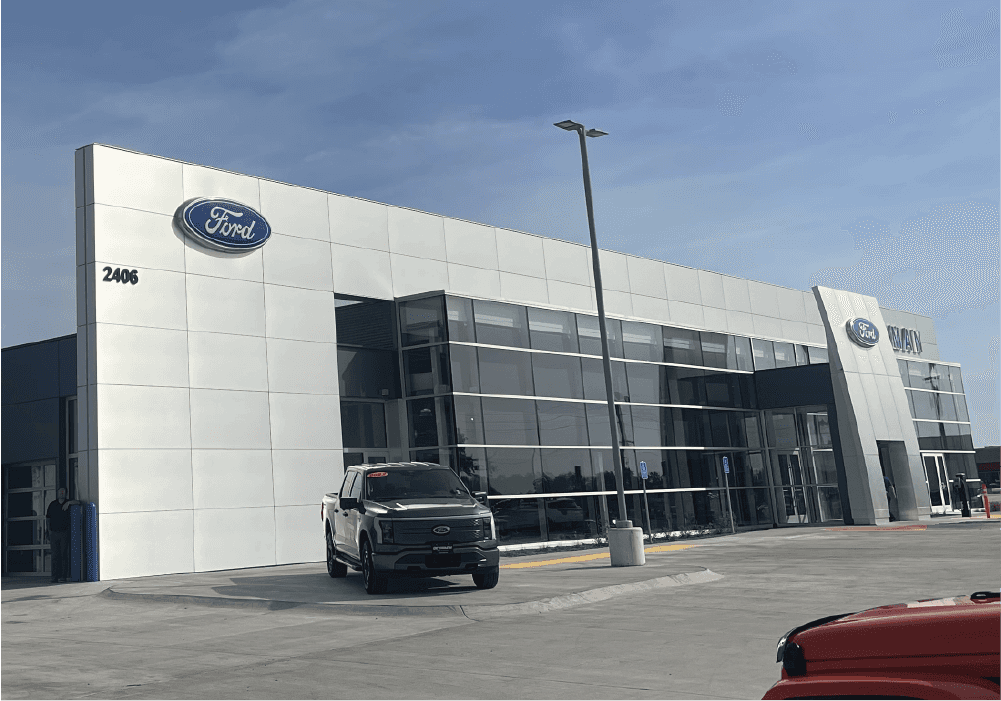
column 378, row 474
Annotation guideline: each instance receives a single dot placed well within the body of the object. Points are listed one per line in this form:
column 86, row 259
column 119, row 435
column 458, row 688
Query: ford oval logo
column 440, row 530
column 223, row 225
column 862, row 331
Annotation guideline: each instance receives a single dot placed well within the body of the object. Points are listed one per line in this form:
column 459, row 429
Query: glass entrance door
column 28, row 490
column 792, row 491
column 937, row 482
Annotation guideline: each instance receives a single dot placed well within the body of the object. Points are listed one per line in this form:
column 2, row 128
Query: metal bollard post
column 90, row 540
column 76, row 542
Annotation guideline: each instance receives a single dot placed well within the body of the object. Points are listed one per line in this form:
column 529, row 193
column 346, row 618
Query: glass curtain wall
column 513, row 398
column 801, row 459
column 937, row 402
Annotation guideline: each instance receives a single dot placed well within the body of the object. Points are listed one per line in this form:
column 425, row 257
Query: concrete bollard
column 625, row 545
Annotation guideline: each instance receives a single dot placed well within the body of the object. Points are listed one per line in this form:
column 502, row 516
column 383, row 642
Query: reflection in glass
column 594, row 380
column 802, row 356
column 764, row 354
column 460, row 319
column 468, row 419
column 646, row 426
column 567, row 470
column 422, row 321
column 597, row 424
column 505, row 372
column 825, row 467
column 742, row 353
column 714, row 349
column 367, row 373
column 904, row 375
column 818, row 355
column 723, row 389
column 642, row 341
column 571, row 518
column 363, row 425
column 517, row 520
column 501, row 324
column 644, row 383
column 513, row 470
column 830, row 504
column 784, row 355
column 551, row 330
column 682, row 346
column 465, row 375
column 956, row 379
column 426, row 370
column 557, row 376
column 962, row 413
column 589, row 335
column 562, row 423
column 471, row 464
column 685, row 385
column 509, row 422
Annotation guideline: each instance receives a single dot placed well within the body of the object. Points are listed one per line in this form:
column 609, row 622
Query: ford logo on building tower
column 862, row 331
column 223, row 225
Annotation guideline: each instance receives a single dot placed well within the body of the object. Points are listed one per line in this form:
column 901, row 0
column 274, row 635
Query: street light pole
column 624, row 551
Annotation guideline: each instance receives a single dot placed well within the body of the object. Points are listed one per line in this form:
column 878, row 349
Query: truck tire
column 487, row 579
column 375, row 583
column 334, row 568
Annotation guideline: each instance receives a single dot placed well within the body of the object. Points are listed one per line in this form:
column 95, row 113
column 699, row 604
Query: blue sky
column 852, row 144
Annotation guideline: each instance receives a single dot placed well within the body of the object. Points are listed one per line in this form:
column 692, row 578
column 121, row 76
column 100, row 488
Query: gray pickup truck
column 408, row 519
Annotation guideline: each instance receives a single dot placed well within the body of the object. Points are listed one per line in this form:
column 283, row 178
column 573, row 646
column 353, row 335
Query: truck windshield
column 413, row 484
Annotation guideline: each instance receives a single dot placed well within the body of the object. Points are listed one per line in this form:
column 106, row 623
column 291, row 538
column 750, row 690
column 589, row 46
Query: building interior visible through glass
column 513, row 399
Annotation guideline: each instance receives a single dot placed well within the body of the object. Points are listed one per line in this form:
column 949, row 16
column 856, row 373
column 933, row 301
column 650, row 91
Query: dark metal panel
column 802, row 385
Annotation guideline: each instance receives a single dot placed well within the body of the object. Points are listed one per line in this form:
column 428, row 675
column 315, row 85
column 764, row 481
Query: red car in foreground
column 932, row 649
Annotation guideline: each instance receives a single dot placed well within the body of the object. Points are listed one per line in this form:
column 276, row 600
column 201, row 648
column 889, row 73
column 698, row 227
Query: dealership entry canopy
column 239, row 341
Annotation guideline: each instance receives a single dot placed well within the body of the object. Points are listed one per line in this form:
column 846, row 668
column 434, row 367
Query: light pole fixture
column 625, row 543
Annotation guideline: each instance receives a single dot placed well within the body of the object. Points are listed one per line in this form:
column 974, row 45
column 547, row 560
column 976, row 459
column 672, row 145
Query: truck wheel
column 375, row 583
column 334, row 568
column 487, row 579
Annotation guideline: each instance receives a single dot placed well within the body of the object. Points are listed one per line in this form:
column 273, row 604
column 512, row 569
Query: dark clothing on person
column 60, row 543
column 59, row 518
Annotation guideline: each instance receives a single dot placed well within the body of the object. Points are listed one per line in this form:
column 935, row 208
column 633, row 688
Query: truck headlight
column 385, row 531
column 489, row 530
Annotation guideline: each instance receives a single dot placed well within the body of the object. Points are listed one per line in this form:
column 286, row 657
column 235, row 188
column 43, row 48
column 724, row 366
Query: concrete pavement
column 656, row 631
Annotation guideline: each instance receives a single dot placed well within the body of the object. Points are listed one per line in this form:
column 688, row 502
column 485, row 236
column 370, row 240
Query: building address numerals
column 122, row 275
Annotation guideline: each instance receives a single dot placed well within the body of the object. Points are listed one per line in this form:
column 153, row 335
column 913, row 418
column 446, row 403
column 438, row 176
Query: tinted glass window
column 501, row 324
column 722, row 389
column 349, row 478
column 751, row 431
column 397, row 484
column 742, row 353
column 962, row 413
column 460, row 319
column 646, row 426
column 924, row 404
column 562, row 423
column 644, row 383
column 422, row 321
column 366, row 373
column 553, row 331
column 642, row 341
column 918, row 374
column 695, row 430
column 510, row 421
column 714, row 349
column 784, row 355
column 594, row 380
column 465, row 375
column 589, row 336
column 567, row 470
column 904, row 376
column 513, row 471
column 957, row 379
column 426, row 370
column 518, row 520
column 764, row 354
column 682, row 346
column 557, row 376
column 505, row 372
column 423, row 422
column 802, row 356
column 685, row 385
column 818, row 355
column 363, row 424
column 468, row 419
column 597, row 424
column 946, row 407
column 719, row 429
column 931, row 436
column 471, row 464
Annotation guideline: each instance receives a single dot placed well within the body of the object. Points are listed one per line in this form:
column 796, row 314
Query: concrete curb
column 473, row 612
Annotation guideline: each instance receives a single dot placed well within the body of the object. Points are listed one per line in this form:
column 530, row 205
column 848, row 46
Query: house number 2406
column 122, row 275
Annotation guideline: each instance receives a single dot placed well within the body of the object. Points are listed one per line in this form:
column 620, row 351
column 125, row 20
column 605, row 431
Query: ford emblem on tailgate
column 440, row 530
column 862, row 331
column 224, row 225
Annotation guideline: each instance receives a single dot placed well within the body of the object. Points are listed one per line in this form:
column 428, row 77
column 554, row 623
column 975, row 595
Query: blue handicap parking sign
column 726, row 465
column 643, row 470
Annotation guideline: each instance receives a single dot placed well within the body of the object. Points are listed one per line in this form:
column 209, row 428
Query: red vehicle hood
column 933, row 627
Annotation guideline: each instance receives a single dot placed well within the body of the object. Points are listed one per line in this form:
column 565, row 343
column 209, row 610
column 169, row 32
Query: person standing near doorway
column 58, row 515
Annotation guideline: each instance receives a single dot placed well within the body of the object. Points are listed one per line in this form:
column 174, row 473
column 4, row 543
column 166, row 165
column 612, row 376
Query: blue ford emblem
column 862, row 331
column 440, row 530
column 224, row 225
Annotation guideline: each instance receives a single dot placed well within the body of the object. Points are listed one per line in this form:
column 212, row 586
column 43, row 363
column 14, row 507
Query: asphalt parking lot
column 700, row 620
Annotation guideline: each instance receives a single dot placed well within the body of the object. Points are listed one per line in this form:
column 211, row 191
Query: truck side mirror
column 481, row 497
column 347, row 503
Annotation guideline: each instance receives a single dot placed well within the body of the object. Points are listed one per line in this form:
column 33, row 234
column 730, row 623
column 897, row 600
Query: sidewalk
column 529, row 584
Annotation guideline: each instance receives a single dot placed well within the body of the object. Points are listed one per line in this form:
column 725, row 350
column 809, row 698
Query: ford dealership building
column 239, row 341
